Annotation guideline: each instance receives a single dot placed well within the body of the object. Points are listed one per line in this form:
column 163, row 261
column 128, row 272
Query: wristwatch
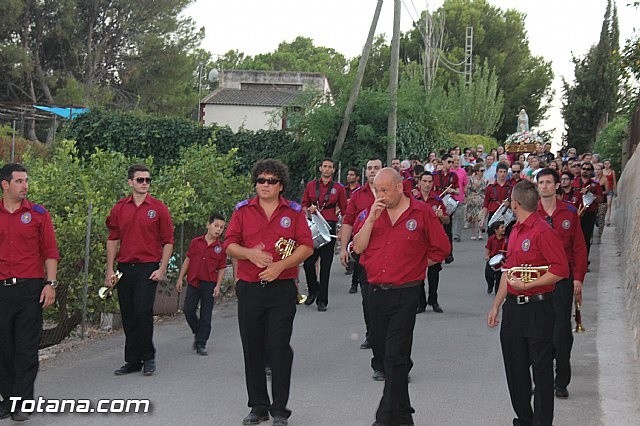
column 52, row 283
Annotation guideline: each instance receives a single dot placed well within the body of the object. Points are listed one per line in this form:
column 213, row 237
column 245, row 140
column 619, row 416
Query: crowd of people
column 537, row 212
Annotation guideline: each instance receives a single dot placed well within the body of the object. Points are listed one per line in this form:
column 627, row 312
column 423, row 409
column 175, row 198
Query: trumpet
column 285, row 248
column 528, row 273
column 578, row 315
column 106, row 292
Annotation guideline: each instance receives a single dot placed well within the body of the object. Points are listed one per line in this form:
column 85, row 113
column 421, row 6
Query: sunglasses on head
column 270, row 181
column 143, row 180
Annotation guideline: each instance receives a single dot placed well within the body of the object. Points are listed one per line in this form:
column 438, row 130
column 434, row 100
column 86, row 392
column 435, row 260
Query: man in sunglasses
column 322, row 196
column 269, row 237
column 141, row 239
column 584, row 183
column 446, row 182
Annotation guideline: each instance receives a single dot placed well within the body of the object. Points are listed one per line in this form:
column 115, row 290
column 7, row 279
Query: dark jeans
column 201, row 327
column 136, row 295
column 562, row 333
column 265, row 319
column 325, row 253
column 393, row 316
column 526, row 337
column 20, row 329
column 587, row 222
column 492, row 278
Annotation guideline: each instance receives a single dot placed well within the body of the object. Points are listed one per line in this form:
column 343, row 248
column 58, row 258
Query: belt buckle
column 386, row 286
column 9, row 282
column 521, row 299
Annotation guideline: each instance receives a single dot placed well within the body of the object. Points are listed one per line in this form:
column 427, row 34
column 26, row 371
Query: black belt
column 387, row 286
column 13, row 281
column 522, row 299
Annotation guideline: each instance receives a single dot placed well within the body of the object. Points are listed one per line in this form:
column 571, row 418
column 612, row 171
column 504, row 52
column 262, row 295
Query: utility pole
column 392, row 122
column 468, row 57
column 366, row 50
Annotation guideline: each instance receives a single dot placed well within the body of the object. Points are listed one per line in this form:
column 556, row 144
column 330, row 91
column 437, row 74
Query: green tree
column 592, row 100
column 610, row 140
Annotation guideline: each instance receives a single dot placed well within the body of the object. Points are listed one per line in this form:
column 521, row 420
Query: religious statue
column 523, row 121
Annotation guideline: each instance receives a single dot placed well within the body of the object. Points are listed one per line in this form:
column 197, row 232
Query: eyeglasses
column 142, row 180
column 587, row 169
column 481, row 170
column 575, row 165
column 270, row 181
column 565, row 178
column 449, row 161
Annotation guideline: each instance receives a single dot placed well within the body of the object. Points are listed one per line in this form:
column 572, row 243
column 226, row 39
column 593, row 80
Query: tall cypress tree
column 592, row 100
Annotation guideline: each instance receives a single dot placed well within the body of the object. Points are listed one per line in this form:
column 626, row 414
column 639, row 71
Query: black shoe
column 421, row 309
column 280, row 421
column 128, row 368
column 311, row 298
column 562, row 392
column 378, row 376
column 19, row 416
column 353, row 289
column 255, row 417
column 195, row 345
column 348, row 272
column 201, row 350
column 489, row 290
column 436, row 308
column 448, row 259
column 5, row 409
column 365, row 344
column 149, row 367
column 322, row 307
column 456, row 239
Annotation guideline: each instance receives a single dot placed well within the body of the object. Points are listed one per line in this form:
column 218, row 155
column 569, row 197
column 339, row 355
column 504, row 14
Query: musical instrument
column 450, row 204
column 320, row 230
column 497, row 261
column 504, row 214
column 578, row 315
column 285, row 247
column 528, row 273
column 587, row 199
column 445, row 190
column 352, row 254
column 106, row 292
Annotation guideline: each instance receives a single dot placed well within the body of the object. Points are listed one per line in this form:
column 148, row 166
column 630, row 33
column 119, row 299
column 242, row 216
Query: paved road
column 457, row 378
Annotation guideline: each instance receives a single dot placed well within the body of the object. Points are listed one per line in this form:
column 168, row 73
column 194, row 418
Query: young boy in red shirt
column 204, row 267
column 496, row 244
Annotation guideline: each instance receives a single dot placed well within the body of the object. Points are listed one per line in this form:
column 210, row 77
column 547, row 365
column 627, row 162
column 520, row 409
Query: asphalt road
column 458, row 376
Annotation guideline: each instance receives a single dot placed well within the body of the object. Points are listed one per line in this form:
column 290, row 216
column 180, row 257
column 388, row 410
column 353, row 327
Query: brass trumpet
column 528, row 273
column 285, row 248
column 106, row 292
column 578, row 315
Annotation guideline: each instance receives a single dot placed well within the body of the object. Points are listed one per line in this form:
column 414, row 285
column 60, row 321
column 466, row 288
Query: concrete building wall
column 627, row 221
column 248, row 117
column 234, row 78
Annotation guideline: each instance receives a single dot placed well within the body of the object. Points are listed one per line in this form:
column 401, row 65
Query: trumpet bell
column 301, row 299
column 579, row 328
column 105, row 293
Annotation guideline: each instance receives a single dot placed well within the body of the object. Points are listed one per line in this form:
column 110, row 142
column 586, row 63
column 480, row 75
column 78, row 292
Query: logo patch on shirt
column 526, row 245
column 412, row 224
column 333, row 191
column 151, row 214
column 566, row 224
column 217, row 249
column 285, row 222
column 25, row 218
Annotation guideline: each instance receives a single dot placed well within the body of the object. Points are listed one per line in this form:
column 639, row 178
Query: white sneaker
column 480, row 236
column 473, row 238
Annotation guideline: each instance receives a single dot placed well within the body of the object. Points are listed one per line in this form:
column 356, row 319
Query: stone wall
column 627, row 221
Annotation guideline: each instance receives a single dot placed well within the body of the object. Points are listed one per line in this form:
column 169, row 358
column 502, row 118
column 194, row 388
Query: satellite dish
column 213, row 75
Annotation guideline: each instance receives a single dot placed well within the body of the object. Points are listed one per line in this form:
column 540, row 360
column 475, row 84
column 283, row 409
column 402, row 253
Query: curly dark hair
column 273, row 167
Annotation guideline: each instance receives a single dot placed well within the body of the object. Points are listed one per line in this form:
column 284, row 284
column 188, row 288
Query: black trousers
column 587, row 222
column 562, row 333
column 377, row 360
column 201, row 327
column 449, row 231
column 20, row 330
column 490, row 229
column 393, row 316
column 136, row 295
column 325, row 253
column 526, row 337
column 492, row 278
column 265, row 319
column 433, row 279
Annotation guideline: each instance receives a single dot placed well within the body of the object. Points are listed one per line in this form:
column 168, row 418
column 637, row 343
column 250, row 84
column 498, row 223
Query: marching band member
column 496, row 244
column 446, row 181
column 585, row 184
column 496, row 193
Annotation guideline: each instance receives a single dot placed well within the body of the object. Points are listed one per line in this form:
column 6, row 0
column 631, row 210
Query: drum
column 588, row 199
column 504, row 214
column 497, row 261
column 450, row 204
column 320, row 230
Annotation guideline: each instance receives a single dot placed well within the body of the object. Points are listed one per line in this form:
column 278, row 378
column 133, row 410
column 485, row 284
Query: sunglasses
column 481, row 170
column 587, row 169
column 449, row 161
column 270, row 181
column 142, row 180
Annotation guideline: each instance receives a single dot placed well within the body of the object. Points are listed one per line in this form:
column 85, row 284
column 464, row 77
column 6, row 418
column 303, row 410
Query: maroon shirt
column 205, row 260
column 142, row 230
column 348, row 190
column 494, row 195
column 250, row 227
column 566, row 223
column 399, row 253
column 572, row 197
column 433, row 201
column 337, row 198
column 27, row 239
column 442, row 181
column 594, row 187
column 533, row 242
column 496, row 246
column 360, row 200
